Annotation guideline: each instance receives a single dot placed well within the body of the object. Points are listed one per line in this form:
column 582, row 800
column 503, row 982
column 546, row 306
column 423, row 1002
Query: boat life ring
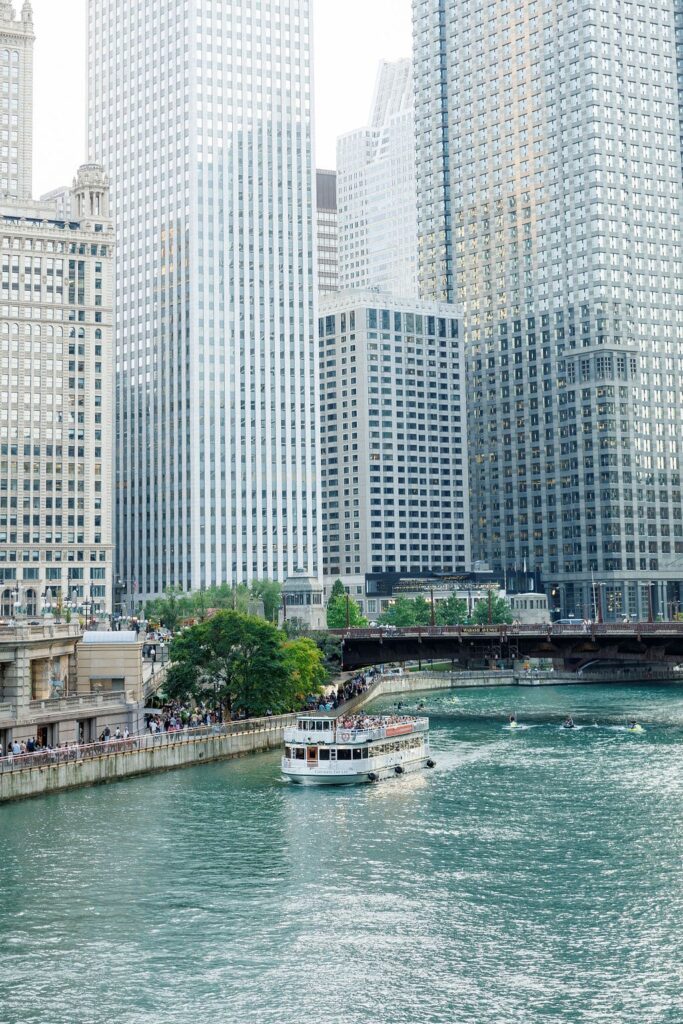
column 345, row 736
column 399, row 769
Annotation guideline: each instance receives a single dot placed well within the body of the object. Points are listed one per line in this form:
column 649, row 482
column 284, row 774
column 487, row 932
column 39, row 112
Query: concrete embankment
column 141, row 756
column 416, row 682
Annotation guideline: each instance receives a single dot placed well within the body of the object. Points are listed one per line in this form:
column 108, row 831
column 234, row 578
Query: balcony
column 78, row 704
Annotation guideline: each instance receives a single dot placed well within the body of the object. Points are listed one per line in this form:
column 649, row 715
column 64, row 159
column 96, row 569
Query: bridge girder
column 362, row 649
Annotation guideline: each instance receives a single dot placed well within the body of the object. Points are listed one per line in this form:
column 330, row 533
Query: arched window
column 98, row 335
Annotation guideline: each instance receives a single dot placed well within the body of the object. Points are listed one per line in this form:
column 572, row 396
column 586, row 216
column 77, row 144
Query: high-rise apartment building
column 16, row 101
column 328, row 232
column 549, row 193
column 56, row 369
column 208, row 146
column 376, row 191
column 393, row 436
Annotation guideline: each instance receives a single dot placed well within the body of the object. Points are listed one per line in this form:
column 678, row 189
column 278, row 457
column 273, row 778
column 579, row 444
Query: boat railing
column 349, row 734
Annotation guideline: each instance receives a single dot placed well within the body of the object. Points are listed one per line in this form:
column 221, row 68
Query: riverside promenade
column 52, row 771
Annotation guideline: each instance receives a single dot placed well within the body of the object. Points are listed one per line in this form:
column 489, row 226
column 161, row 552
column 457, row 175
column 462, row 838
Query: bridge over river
column 574, row 646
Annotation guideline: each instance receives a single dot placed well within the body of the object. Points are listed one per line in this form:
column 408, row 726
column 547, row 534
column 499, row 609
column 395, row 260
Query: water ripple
column 532, row 878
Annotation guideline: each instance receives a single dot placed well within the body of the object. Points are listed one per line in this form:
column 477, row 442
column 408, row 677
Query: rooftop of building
column 364, row 298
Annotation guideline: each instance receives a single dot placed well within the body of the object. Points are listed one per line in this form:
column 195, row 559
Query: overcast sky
column 351, row 37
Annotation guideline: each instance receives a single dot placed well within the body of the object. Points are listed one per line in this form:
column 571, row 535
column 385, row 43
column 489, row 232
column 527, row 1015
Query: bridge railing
column 517, row 630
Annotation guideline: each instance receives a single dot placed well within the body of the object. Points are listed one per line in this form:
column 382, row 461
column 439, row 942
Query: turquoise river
column 534, row 877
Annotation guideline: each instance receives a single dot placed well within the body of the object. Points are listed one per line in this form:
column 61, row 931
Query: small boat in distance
column 325, row 751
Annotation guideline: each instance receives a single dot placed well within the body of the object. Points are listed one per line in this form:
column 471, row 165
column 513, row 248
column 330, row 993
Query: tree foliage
column 304, row 666
column 337, row 613
column 451, row 612
column 404, row 613
column 176, row 607
column 491, row 609
column 338, row 590
column 243, row 664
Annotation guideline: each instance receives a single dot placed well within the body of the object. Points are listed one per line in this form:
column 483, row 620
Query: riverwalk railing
column 143, row 741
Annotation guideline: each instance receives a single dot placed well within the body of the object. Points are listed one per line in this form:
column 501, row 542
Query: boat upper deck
column 321, row 730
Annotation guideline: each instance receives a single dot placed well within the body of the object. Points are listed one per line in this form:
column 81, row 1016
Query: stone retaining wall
column 186, row 751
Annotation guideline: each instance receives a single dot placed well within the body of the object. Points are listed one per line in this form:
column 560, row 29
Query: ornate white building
column 56, row 370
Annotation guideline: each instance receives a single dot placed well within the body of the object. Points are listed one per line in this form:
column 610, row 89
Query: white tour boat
column 322, row 750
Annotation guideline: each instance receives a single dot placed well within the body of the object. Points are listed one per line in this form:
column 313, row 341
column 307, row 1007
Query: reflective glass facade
column 549, row 195
column 201, row 113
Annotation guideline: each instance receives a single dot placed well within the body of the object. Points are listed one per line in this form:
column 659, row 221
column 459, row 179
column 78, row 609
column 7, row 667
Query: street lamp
column 47, row 601
column 15, row 600
column 87, row 605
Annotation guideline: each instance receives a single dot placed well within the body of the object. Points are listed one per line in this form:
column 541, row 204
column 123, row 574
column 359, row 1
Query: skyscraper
column 328, row 232
column 201, row 114
column 549, row 194
column 376, row 191
column 16, row 103
column 394, row 437
column 56, row 367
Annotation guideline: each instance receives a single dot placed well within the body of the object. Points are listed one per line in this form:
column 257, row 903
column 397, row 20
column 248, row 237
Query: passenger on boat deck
column 359, row 723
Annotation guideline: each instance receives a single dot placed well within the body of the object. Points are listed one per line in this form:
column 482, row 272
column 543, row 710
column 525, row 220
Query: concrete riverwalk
column 92, row 764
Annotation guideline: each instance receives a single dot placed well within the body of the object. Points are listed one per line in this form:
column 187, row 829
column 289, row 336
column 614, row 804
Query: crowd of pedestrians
column 347, row 691
column 173, row 718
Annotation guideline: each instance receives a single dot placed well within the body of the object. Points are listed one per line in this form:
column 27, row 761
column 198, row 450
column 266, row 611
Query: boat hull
column 313, row 778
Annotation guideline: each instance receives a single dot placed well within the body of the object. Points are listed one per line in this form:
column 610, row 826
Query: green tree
column 451, row 612
column 331, row 649
column 337, row 613
column 170, row 609
column 404, row 613
column 491, row 609
column 338, row 590
column 270, row 592
column 422, row 610
column 237, row 658
column 305, row 669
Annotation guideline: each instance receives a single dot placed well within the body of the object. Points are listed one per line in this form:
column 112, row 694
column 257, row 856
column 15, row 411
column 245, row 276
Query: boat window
column 343, row 754
column 324, row 755
column 300, row 754
column 319, row 726
column 326, row 725
column 358, row 754
column 288, row 751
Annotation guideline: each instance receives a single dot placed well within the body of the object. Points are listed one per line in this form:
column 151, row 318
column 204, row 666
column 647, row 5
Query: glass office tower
column 549, row 194
column 201, row 113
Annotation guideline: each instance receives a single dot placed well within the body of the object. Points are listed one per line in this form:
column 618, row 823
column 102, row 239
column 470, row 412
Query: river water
column 534, row 876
